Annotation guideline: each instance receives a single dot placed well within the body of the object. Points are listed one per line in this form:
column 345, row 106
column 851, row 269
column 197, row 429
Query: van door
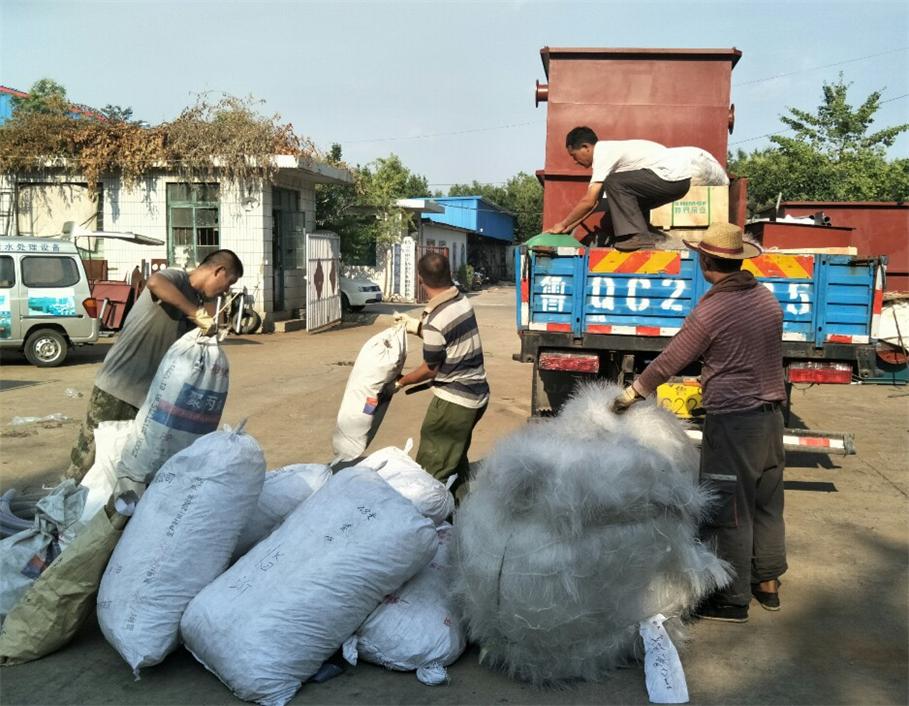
column 10, row 327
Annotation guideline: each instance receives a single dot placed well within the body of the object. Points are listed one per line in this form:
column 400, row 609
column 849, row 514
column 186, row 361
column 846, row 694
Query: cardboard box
column 700, row 207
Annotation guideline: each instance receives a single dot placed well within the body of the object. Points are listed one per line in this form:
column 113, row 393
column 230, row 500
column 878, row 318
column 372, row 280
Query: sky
column 447, row 86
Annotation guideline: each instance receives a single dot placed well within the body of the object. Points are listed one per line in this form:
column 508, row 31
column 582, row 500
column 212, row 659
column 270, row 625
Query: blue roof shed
column 476, row 214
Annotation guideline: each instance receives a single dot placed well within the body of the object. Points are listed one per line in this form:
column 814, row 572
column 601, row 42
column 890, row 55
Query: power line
column 817, row 68
column 443, row 134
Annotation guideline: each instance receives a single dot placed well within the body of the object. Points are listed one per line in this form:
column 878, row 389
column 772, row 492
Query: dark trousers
column 445, row 440
column 631, row 195
column 742, row 461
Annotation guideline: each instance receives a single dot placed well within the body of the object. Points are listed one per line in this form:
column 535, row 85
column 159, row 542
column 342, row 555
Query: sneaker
column 723, row 612
column 768, row 601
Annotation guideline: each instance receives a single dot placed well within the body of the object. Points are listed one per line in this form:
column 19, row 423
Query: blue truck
column 597, row 312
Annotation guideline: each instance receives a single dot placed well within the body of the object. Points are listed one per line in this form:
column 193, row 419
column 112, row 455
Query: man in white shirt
column 635, row 176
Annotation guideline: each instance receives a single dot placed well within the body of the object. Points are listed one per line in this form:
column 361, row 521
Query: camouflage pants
column 102, row 407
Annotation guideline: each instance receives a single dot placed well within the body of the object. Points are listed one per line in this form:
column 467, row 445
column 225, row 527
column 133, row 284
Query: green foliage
column 227, row 137
column 522, row 195
column 364, row 214
column 117, row 113
column 465, row 275
column 831, row 157
column 45, row 97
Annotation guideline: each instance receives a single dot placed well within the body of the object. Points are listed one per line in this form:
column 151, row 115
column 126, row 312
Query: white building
column 264, row 225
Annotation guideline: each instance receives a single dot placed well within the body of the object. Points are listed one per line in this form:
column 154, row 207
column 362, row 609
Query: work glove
column 204, row 321
column 628, row 397
column 411, row 325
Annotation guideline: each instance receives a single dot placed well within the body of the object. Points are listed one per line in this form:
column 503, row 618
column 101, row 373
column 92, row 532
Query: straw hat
column 724, row 240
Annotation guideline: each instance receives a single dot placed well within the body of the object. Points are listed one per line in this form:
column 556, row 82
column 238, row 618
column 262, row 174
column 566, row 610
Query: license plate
column 680, row 398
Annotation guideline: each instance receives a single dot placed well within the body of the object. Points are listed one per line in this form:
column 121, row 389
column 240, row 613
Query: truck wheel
column 250, row 323
column 46, row 348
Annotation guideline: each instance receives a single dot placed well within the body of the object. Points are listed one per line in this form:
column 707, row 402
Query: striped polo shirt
column 452, row 347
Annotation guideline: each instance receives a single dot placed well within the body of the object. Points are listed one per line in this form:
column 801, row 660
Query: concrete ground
column 841, row 637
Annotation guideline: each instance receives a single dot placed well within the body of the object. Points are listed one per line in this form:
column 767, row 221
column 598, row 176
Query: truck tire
column 46, row 348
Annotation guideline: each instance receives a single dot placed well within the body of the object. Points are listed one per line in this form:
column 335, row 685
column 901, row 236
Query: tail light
column 91, row 307
column 820, row 372
column 571, row 362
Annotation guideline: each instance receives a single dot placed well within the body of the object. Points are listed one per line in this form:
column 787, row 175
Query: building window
column 193, row 223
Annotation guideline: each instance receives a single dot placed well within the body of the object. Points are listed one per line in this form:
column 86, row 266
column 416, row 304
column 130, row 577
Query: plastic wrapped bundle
column 566, row 542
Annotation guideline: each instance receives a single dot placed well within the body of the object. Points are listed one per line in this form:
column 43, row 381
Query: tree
column 117, row 113
column 45, row 97
column 522, row 195
column 831, row 157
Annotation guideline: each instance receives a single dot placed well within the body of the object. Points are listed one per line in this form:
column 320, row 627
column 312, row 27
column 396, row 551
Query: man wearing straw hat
column 736, row 330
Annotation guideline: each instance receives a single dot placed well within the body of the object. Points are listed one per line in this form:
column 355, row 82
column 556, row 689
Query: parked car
column 46, row 305
column 357, row 292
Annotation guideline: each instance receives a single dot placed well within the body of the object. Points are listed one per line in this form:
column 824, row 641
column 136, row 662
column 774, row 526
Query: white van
column 46, row 305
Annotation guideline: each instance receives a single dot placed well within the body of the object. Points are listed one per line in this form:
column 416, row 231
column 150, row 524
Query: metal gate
column 323, row 287
column 422, row 296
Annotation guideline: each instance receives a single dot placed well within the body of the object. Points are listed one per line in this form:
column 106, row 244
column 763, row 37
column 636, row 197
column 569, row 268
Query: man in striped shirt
column 453, row 361
column 736, row 329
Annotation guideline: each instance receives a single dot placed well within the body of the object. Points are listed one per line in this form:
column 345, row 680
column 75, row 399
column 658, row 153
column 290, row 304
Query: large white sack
column 405, row 475
column 283, row 491
column 184, row 402
column 110, row 440
column 569, row 538
column 368, row 392
column 416, row 628
column 269, row 622
column 25, row 555
column 180, row 539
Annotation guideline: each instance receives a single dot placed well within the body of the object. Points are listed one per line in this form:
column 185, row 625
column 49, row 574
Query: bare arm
column 418, row 375
column 582, row 209
column 164, row 290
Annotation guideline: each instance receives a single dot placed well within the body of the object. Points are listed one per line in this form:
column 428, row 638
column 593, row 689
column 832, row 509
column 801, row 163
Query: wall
column 455, row 241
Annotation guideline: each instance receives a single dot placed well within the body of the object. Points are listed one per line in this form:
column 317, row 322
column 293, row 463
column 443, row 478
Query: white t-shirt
column 668, row 163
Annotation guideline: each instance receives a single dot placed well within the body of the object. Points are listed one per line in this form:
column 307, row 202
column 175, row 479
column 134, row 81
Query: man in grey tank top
column 171, row 303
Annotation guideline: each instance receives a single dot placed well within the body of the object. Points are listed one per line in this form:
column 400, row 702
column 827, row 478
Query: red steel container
column 878, row 228
column 676, row 97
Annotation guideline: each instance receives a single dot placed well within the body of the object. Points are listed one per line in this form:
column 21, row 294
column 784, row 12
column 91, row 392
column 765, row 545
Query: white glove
column 628, row 397
column 204, row 321
column 411, row 325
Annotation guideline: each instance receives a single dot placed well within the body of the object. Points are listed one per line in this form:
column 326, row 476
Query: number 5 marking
column 799, row 293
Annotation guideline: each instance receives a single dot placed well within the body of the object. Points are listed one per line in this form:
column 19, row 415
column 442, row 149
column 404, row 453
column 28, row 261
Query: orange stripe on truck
column 781, row 266
column 641, row 262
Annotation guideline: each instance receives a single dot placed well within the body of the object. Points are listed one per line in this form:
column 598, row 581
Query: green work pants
column 445, row 439
column 102, row 407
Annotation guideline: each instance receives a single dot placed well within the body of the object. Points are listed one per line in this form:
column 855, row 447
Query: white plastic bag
column 405, row 475
column 283, row 491
column 184, row 402
column 416, row 627
column 180, row 539
column 269, row 622
column 110, row 440
column 368, row 391
column 25, row 555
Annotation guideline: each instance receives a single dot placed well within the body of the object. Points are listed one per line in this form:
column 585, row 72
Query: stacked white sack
column 101, row 479
column 180, row 539
column 417, row 627
column 283, row 491
column 570, row 536
column 184, row 402
column 269, row 622
column 369, row 389
column 431, row 497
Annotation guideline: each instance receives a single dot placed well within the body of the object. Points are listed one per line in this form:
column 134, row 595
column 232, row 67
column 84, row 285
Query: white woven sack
column 269, row 622
column 417, row 627
column 405, row 475
column 184, row 402
column 283, row 491
column 369, row 388
column 110, row 440
column 180, row 538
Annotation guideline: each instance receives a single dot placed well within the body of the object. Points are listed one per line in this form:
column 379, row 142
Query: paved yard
column 840, row 638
